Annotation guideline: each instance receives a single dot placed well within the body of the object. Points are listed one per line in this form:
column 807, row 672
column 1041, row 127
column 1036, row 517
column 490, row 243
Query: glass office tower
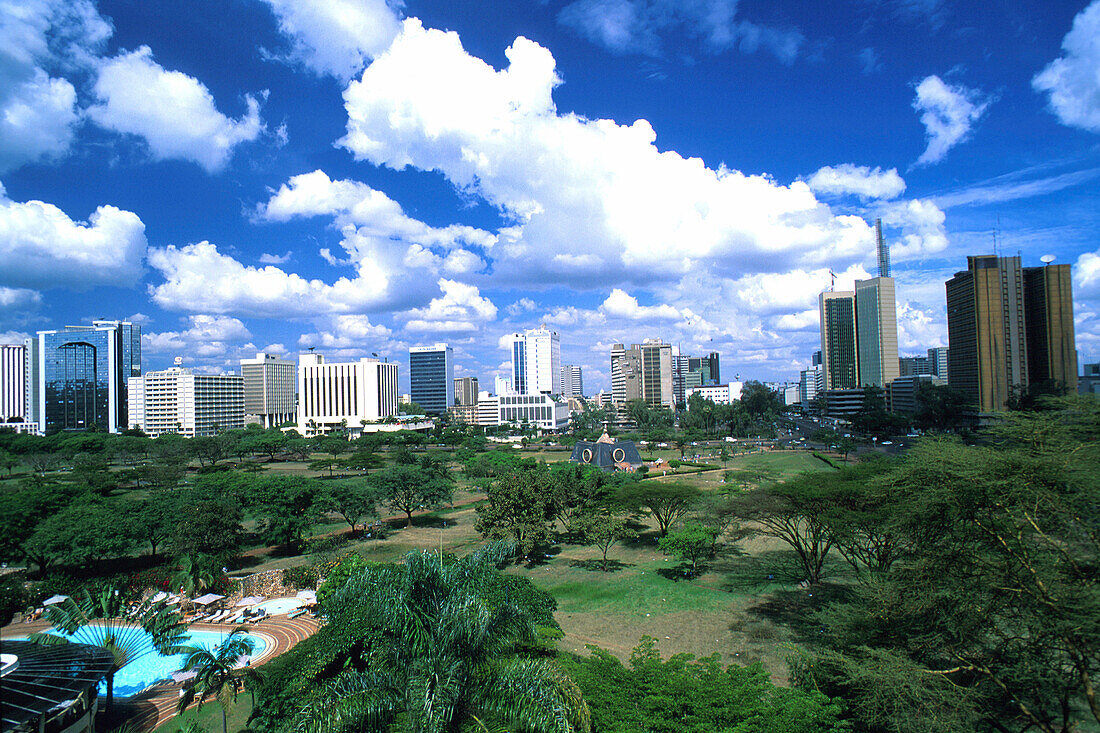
column 431, row 377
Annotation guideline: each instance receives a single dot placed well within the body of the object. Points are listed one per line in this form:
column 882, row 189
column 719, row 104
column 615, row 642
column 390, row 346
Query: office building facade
column 937, row 361
column 811, row 383
column 572, row 381
column 839, row 348
column 693, row 371
column 82, row 376
column 876, row 331
column 642, row 372
column 909, row 366
column 466, row 390
column 343, row 397
column 13, row 383
column 545, row 412
column 179, row 401
column 719, row 394
column 536, row 362
column 431, row 377
column 269, row 384
column 1009, row 327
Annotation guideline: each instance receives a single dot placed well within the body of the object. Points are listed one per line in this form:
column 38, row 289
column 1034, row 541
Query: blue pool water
column 152, row 667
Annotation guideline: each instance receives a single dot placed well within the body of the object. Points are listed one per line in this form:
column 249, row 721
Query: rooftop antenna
column 1047, row 259
column 311, row 348
column 832, row 280
column 883, row 251
column 996, row 230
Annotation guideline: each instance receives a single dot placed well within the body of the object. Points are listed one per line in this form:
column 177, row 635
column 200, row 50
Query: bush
column 13, row 596
column 301, row 576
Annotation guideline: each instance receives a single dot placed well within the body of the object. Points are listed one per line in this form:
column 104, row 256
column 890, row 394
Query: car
column 887, row 442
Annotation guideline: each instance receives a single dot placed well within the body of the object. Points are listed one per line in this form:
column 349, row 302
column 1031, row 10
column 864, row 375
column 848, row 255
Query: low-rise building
column 344, row 396
column 719, row 394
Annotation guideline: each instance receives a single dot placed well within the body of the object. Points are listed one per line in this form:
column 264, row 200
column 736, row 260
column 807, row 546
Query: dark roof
column 607, row 455
column 47, row 677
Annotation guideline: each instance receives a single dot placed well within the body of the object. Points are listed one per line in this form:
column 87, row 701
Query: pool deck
column 157, row 704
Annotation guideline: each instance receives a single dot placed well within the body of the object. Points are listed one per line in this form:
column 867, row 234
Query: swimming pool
column 278, row 606
column 150, row 667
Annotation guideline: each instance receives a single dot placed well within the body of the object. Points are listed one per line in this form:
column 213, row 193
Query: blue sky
column 362, row 177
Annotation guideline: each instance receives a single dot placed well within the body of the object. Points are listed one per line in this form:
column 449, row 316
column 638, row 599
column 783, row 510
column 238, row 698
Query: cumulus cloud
column 637, row 26
column 619, row 304
column 461, row 307
column 948, row 113
column 922, row 227
column 206, row 337
column 174, row 113
column 269, row 259
column 919, row 330
column 337, row 37
column 599, row 195
column 860, row 180
column 40, row 246
column 38, row 112
column 19, row 298
column 1086, row 276
column 1072, row 80
column 350, row 332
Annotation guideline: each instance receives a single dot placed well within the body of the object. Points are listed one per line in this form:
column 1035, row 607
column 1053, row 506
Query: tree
column 666, row 502
column 941, row 408
column 792, row 512
column 25, row 509
column 81, row 533
column 212, row 525
column 8, row 461
column 154, row 518
column 195, row 573
column 284, row 507
column 425, row 645
column 603, row 529
column 352, row 501
column 689, row 695
column 407, row 488
column 217, row 672
column 690, row 543
column 518, row 507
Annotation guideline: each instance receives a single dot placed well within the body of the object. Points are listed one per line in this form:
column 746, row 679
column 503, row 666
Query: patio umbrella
column 251, row 600
column 54, row 599
column 160, row 596
column 208, row 599
column 309, row 596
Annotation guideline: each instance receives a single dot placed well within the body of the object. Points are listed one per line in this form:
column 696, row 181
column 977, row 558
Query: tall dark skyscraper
column 1009, row 327
column 431, row 377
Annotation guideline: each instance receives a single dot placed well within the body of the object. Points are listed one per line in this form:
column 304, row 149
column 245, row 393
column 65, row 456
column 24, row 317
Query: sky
column 362, row 176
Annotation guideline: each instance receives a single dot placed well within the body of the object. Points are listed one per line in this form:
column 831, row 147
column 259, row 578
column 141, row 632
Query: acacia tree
column 406, row 489
column 352, row 501
column 665, row 502
column 519, row 508
column 690, row 543
column 604, row 529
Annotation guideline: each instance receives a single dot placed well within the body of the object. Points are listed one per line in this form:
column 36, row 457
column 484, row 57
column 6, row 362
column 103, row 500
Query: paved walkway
column 157, row 704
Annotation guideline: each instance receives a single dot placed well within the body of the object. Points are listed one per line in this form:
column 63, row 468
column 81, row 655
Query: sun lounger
column 296, row 614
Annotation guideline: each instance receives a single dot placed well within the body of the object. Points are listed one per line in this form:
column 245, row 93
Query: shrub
column 301, row 576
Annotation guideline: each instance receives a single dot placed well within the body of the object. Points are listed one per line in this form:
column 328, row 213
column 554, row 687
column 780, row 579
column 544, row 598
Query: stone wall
column 268, row 583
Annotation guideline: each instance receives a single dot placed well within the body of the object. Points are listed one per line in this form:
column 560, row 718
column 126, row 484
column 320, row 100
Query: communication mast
column 883, row 251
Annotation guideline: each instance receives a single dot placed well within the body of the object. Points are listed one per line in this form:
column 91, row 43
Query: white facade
column 488, row 410
column 344, row 395
column 536, row 362
column 547, row 413
column 13, row 382
column 269, row 384
column 177, row 400
column 811, row 384
column 503, row 386
column 719, row 394
column 572, row 381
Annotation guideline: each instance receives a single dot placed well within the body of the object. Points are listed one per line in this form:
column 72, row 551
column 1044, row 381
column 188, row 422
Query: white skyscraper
column 13, row 381
column 572, row 383
column 536, row 362
column 344, row 396
column 269, row 384
column 177, row 400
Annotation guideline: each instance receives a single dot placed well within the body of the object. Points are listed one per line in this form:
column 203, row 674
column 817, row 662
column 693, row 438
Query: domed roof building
column 607, row 454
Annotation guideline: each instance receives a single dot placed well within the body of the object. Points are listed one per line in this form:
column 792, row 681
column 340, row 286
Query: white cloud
column 636, row 26
column 19, row 298
column 1086, row 276
column 622, row 305
column 860, row 180
column 460, row 308
column 922, row 228
column 40, row 246
column 337, row 37
column 869, row 61
column 173, row 112
column 346, row 332
column 919, row 330
column 270, row 259
column 1072, row 81
column 523, row 305
column 1009, row 188
column 947, row 113
column 38, row 113
column 206, row 337
column 599, row 195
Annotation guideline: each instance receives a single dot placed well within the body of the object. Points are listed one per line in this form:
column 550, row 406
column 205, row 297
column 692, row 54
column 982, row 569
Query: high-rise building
column 937, row 359
column 572, row 382
column 465, row 391
column 911, row 366
column 82, row 375
column 269, row 384
column 692, row 371
column 345, row 396
column 431, row 377
column 13, row 382
column 811, row 383
column 839, row 349
column 642, row 372
column 179, row 401
column 1009, row 327
column 536, row 362
column 877, row 331
column 503, row 385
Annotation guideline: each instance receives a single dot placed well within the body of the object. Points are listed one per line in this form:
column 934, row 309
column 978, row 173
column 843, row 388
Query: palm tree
column 196, row 572
column 438, row 657
column 218, row 672
column 125, row 638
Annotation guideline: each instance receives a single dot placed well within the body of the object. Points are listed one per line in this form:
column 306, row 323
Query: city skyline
column 698, row 187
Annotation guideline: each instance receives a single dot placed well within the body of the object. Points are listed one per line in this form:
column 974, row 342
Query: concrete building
column 13, row 383
column 693, row 371
column 572, row 381
column 82, row 374
column 465, row 390
column 536, row 362
column 994, row 309
column 431, row 377
column 839, row 348
column 901, row 394
column 844, row 403
column 1089, row 381
column 811, row 382
column 546, row 412
column 910, row 366
column 937, row 359
column 642, row 372
column 179, row 401
column 503, row 385
column 269, row 384
column 488, row 410
column 344, row 396
column 719, row 394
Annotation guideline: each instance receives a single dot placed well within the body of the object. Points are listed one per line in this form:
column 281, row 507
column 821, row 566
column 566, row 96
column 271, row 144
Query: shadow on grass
column 432, row 520
column 612, row 566
column 759, row 571
column 682, row 571
column 541, row 556
column 796, row 609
